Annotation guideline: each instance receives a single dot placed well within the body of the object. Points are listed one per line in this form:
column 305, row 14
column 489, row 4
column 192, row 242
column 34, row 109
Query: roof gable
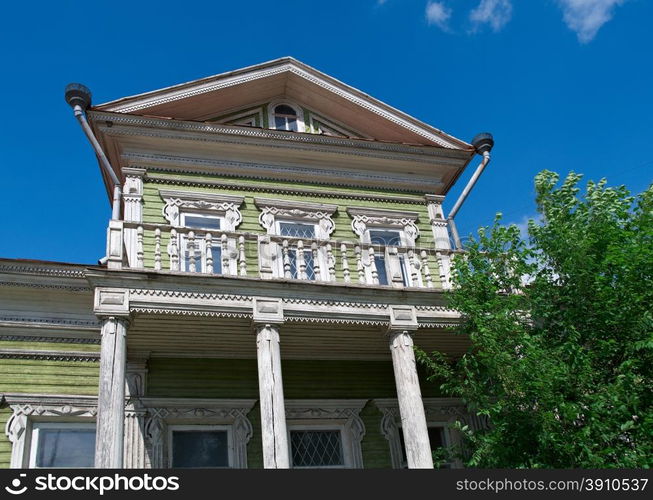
column 286, row 78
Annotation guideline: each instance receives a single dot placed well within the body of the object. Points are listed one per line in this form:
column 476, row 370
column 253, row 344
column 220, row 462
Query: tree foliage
column 561, row 330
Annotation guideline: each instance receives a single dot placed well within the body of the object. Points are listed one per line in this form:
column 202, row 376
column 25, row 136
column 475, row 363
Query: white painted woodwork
column 157, row 249
column 115, row 245
column 242, row 260
column 425, row 269
column 111, row 394
column 413, row 418
column 371, row 262
column 345, row 263
column 273, row 416
column 331, row 262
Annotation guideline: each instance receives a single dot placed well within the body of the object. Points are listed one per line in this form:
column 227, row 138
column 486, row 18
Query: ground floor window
column 59, row 444
column 201, row 446
column 316, row 448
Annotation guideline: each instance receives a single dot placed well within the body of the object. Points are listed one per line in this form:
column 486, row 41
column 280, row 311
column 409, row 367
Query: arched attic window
column 286, row 117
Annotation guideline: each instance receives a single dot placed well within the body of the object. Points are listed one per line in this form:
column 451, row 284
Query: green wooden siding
column 233, row 378
column 44, row 377
column 153, row 207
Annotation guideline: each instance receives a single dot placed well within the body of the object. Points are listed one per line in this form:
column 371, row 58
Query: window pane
column 200, row 221
column 65, row 448
column 379, row 237
column 308, row 262
column 283, row 109
column 216, row 253
column 279, row 123
column 291, row 124
column 404, row 270
column 200, row 449
column 310, row 265
column 316, row 448
column 436, row 437
column 296, row 230
column 198, row 257
column 380, row 268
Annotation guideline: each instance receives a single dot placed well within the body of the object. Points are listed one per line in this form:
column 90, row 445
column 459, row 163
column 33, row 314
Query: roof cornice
column 144, row 101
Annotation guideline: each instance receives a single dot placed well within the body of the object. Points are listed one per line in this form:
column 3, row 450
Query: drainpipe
column 78, row 97
column 483, row 144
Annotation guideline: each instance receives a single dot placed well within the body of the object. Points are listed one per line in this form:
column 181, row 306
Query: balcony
column 162, row 247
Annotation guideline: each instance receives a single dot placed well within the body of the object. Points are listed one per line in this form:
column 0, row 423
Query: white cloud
column 586, row 17
column 496, row 13
column 438, row 13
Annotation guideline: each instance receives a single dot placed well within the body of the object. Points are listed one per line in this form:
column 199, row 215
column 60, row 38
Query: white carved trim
column 364, row 218
column 50, row 355
column 344, row 413
column 163, row 412
column 440, row 412
column 272, row 210
column 266, row 70
column 27, row 408
column 226, row 205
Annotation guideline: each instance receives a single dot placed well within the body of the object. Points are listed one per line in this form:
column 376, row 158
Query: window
column 201, row 446
column 299, row 230
column 316, row 448
column 203, row 224
column 438, row 441
column 62, row 445
column 389, row 238
column 285, row 118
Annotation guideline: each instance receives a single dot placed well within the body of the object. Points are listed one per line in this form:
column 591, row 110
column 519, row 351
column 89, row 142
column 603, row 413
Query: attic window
column 285, row 118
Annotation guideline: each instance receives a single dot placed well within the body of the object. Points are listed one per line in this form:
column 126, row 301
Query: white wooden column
column 135, row 413
column 111, row 394
column 132, row 197
column 267, row 316
column 403, row 322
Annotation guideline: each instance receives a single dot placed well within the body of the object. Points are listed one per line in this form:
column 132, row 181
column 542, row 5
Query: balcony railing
column 163, row 247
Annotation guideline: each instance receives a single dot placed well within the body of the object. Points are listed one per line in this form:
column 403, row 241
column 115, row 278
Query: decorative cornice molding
column 146, row 292
column 153, row 178
column 43, row 270
column 69, row 324
column 337, row 88
column 186, row 312
column 50, row 355
column 334, row 321
column 227, row 205
column 58, row 286
column 52, row 340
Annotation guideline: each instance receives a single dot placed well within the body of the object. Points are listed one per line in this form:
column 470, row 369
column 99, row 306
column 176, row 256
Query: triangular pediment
column 246, row 97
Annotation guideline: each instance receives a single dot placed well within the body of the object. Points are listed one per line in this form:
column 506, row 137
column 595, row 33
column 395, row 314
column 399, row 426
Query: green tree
column 561, row 331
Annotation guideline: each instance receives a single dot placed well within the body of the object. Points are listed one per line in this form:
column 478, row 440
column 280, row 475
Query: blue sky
column 562, row 84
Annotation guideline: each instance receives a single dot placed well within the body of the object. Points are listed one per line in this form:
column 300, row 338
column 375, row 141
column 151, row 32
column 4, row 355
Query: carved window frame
column 440, row 412
column 162, row 414
column 274, row 211
column 30, row 408
column 330, row 414
column 404, row 222
column 222, row 205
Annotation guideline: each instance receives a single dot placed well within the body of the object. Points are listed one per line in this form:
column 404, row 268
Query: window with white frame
column 201, row 224
column 297, row 225
column 285, row 118
column 201, row 446
column 62, row 444
column 388, row 237
column 304, row 231
column 395, row 232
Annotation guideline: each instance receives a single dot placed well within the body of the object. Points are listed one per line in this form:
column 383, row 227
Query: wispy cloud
column 439, row 14
column 495, row 13
column 586, row 17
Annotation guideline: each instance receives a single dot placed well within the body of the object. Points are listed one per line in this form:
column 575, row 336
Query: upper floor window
column 285, row 118
column 201, row 446
column 388, row 237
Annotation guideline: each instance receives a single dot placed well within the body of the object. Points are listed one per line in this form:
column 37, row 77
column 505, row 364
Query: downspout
column 483, row 144
column 78, row 97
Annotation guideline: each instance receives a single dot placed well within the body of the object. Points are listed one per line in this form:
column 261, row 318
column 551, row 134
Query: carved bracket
column 364, row 219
